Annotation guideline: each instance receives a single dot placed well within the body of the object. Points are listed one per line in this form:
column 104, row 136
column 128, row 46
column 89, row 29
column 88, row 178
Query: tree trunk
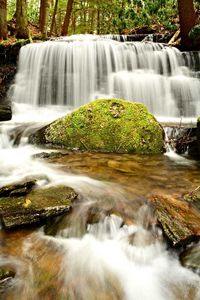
column 21, row 20
column 98, row 18
column 44, row 16
column 65, row 27
column 54, row 17
column 3, row 21
column 187, row 19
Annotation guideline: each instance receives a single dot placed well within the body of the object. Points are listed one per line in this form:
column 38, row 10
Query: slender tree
column 44, row 17
column 21, row 20
column 3, row 22
column 65, row 27
column 53, row 22
column 187, row 18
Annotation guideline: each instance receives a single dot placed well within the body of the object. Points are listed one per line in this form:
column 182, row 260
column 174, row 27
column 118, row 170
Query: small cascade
column 180, row 143
column 113, row 260
column 78, row 69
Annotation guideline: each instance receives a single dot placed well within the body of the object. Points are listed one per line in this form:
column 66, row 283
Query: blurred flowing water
column 108, row 247
column 76, row 70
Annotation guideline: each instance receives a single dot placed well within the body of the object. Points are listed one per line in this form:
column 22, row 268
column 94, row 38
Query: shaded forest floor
column 35, row 33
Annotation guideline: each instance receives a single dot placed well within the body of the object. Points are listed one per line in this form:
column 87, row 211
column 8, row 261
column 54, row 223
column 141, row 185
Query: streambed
column 106, row 248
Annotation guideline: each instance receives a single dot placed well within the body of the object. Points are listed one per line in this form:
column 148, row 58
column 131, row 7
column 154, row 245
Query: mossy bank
column 106, row 125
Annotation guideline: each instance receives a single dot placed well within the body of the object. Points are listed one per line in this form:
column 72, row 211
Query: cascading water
column 108, row 248
column 75, row 71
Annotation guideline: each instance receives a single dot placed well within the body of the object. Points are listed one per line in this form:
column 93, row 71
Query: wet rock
column 9, row 52
column 178, row 219
column 190, row 258
column 46, row 155
column 198, row 134
column 193, row 197
column 97, row 214
column 6, row 272
column 7, row 73
column 106, row 125
column 18, row 189
column 5, row 112
column 36, row 206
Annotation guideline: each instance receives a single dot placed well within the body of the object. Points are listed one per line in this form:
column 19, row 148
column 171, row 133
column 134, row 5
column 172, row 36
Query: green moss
column 195, row 32
column 22, row 42
column 37, row 205
column 108, row 125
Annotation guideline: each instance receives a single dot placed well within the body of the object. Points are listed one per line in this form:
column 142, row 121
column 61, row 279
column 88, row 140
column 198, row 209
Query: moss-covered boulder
column 37, row 205
column 106, row 125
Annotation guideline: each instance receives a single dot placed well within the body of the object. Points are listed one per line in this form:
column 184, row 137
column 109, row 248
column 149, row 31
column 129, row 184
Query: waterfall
column 76, row 70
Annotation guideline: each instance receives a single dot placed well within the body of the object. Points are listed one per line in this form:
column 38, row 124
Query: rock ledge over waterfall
column 106, row 125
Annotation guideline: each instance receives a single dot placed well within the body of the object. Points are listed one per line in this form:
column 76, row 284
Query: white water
column 106, row 260
column 17, row 161
column 109, row 260
column 79, row 69
column 112, row 261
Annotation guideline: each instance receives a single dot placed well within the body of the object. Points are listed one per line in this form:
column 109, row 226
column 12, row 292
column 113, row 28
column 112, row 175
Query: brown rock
column 178, row 219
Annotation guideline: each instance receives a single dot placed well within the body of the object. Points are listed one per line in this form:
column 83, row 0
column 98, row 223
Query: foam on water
column 75, row 70
column 17, row 162
column 116, row 261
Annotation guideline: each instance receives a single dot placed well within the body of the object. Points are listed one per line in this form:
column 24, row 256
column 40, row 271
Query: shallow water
column 109, row 246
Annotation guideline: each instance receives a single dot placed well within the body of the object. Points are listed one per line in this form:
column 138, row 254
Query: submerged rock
column 190, row 258
column 36, row 206
column 46, row 155
column 178, row 219
column 107, row 125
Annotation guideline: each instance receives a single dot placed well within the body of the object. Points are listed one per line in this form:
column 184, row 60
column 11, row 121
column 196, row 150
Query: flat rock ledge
column 33, row 206
column 179, row 220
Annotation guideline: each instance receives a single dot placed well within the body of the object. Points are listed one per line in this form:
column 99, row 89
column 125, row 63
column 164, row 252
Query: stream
column 107, row 247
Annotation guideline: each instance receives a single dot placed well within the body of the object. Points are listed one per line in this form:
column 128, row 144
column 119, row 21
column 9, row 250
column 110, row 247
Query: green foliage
column 11, row 4
column 195, row 32
column 105, row 16
column 33, row 11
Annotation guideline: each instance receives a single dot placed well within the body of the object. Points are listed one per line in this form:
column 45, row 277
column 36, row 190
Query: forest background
column 44, row 18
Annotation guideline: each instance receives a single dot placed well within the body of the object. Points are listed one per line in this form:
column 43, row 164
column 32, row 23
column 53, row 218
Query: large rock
column 107, row 125
column 37, row 205
column 179, row 220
